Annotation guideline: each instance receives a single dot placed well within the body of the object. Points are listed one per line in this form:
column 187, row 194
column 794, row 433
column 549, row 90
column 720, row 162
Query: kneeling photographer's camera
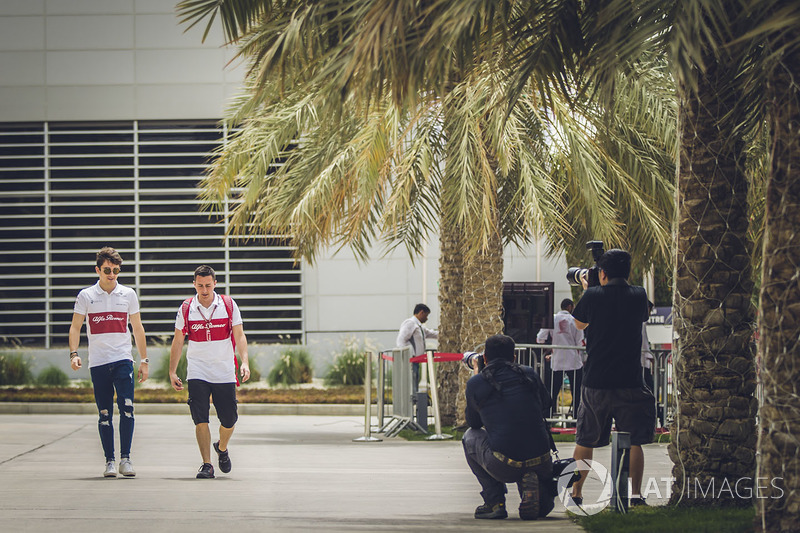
column 574, row 274
column 473, row 359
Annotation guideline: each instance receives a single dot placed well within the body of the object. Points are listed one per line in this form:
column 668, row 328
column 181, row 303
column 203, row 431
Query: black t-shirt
column 615, row 313
column 512, row 416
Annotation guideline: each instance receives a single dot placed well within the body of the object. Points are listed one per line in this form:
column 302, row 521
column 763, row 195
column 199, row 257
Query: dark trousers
column 105, row 380
column 493, row 474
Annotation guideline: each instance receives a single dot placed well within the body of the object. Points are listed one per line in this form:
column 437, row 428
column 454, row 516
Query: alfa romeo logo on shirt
column 102, row 318
column 596, row 477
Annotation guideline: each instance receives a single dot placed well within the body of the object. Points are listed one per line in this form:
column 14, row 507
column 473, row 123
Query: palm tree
column 779, row 346
column 724, row 54
column 371, row 170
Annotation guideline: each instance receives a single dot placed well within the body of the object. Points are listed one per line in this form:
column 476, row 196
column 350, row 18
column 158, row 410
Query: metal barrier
column 367, row 437
column 402, row 405
column 432, row 386
column 663, row 385
column 527, row 354
column 532, row 355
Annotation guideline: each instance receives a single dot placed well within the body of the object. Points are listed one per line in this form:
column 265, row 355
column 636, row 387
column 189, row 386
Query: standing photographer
column 612, row 314
column 507, row 440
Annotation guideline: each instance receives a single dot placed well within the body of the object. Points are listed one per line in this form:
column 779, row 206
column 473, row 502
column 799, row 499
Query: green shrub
column 348, row 367
column 53, row 376
column 294, row 366
column 162, row 372
column 15, row 370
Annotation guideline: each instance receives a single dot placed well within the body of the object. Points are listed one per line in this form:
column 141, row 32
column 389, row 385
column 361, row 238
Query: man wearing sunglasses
column 108, row 307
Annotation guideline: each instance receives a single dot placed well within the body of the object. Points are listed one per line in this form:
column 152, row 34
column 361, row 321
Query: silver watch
column 145, row 360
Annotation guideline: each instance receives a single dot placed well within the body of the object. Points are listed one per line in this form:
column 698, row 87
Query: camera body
column 574, row 274
column 471, row 359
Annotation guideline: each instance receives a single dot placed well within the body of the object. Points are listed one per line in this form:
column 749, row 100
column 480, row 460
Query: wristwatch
column 145, row 360
column 73, row 355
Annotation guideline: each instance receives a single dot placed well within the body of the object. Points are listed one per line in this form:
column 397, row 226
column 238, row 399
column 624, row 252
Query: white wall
column 109, row 60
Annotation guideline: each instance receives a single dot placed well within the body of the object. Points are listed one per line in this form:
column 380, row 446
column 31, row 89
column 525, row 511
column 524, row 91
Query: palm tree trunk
column 483, row 305
column 451, row 276
column 713, row 434
column 779, row 346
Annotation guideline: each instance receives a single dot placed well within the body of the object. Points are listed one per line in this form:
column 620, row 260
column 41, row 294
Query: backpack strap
column 185, row 311
column 228, row 301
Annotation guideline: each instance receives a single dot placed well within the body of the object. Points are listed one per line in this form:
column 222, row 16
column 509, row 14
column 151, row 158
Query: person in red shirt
column 213, row 325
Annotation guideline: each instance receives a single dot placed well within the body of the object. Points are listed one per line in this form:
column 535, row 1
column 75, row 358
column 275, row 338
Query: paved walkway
column 290, row 473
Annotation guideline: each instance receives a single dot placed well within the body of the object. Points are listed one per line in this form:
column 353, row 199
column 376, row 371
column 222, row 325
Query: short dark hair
column 615, row 263
column 205, row 270
column 499, row 347
column 566, row 302
column 421, row 307
column 109, row 254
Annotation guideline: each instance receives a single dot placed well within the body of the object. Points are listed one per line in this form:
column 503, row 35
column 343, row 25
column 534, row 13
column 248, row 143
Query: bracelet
column 73, row 355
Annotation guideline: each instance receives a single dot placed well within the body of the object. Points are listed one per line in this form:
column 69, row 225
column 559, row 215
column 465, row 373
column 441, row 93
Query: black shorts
column 224, row 395
column 633, row 410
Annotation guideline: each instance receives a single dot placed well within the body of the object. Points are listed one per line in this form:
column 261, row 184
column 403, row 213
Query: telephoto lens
column 574, row 275
column 471, row 359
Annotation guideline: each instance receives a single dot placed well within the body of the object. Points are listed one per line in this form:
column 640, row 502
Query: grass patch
column 671, row 520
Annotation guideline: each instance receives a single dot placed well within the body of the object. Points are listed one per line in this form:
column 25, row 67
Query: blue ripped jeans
column 105, row 379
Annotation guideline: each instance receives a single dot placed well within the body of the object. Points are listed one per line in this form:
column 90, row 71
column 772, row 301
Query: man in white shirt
column 213, row 324
column 108, row 307
column 413, row 333
column 564, row 333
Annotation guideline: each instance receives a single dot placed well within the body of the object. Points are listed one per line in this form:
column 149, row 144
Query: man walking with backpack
column 213, row 325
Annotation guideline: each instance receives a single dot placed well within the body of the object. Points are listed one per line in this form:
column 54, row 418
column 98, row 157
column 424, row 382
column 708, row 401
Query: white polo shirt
column 209, row 352
column 564, row 333
column 107, row 317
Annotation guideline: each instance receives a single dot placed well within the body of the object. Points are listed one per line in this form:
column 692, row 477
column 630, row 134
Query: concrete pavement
column 290, row 473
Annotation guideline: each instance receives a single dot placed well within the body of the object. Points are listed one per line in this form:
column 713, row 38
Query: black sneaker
column 206, row 471
column 224, row 459
column 636, row 502
column 492, row 510
column 529, row 491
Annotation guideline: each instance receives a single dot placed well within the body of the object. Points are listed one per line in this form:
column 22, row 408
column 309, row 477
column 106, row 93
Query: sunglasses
column 107, row 270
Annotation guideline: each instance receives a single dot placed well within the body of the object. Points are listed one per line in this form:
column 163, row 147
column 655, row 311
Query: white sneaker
column 111, row 470
column 126, row 468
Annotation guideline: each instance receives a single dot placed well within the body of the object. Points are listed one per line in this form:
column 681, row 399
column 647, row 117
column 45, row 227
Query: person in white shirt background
column 413, row 332
column 564, row 360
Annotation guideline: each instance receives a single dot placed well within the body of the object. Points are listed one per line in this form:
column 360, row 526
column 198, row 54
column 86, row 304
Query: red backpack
column 228, row 302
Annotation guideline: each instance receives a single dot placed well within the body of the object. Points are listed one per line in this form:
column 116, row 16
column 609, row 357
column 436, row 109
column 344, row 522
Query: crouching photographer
column 507, row 440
